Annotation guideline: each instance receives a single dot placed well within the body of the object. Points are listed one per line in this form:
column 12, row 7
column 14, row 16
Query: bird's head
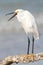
column 16, row 12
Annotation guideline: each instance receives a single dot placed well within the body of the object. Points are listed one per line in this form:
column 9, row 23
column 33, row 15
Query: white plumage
column 28, row 22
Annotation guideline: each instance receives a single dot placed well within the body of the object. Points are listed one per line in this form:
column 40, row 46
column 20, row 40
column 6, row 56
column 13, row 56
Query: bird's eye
column 17, row 12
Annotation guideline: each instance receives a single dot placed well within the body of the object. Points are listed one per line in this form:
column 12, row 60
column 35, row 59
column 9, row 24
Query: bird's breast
column 27, row 26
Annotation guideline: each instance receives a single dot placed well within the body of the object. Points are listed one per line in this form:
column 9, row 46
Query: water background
column 13, row 40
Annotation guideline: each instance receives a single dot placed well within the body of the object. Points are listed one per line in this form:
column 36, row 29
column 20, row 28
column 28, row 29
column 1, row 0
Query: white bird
column 28, row 23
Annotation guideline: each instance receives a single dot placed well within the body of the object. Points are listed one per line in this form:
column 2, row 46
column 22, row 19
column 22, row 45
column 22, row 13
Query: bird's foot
column 32, row 56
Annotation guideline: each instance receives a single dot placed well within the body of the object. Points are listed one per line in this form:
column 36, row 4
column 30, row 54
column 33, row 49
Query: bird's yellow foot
column 32, row 57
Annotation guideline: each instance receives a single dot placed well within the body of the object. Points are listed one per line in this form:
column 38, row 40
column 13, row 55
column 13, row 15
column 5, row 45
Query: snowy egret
column 28, row 23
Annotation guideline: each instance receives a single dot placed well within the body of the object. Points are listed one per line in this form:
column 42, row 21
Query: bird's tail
column 36, row 35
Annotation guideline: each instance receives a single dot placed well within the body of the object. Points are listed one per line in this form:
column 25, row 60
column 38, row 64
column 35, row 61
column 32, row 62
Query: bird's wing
column 35, row 29
column 33, row 24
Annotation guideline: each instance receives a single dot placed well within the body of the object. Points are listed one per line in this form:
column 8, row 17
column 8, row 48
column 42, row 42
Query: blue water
column 13, row 40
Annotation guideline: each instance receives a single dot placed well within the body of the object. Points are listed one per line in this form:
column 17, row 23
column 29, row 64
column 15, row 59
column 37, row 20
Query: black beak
column 9, row 13
column 14, row 14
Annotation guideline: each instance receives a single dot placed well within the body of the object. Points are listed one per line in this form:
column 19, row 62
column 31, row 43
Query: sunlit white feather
column 28, row 22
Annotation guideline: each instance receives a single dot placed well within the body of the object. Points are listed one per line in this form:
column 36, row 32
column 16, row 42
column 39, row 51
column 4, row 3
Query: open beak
column 14, row 14
column 9, row 13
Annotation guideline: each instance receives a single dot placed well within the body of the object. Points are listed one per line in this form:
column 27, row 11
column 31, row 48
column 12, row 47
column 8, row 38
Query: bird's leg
column 28, row 45
column 32, row 44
